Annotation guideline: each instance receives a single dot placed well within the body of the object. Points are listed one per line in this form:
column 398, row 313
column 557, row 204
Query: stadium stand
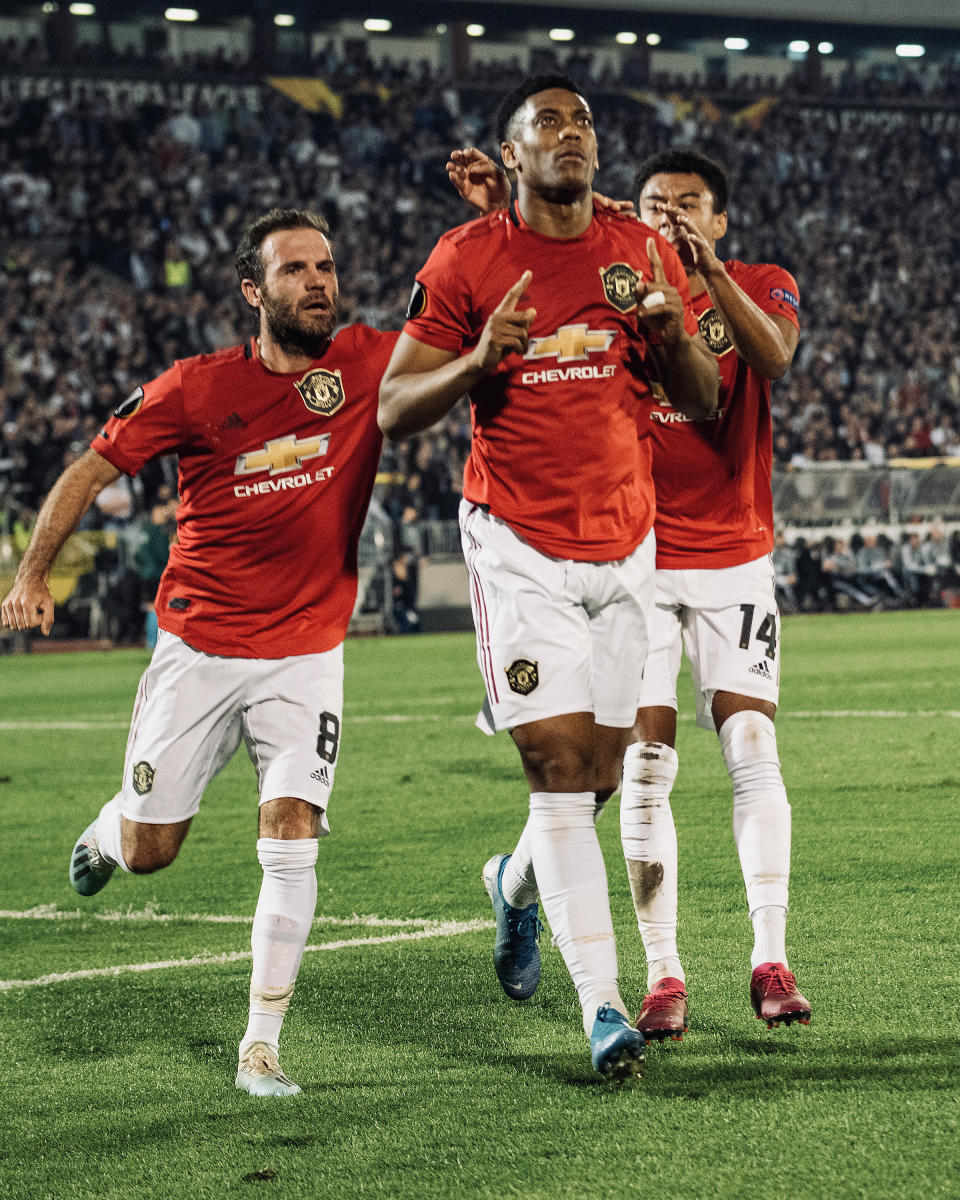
column 122, row 194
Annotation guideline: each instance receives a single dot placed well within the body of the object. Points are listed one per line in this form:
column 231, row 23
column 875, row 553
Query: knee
column 749, row 743
column 556, row 765
column 651, row 766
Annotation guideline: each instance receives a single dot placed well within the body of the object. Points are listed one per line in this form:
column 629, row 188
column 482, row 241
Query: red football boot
column 664, row 1011
column 774, row 996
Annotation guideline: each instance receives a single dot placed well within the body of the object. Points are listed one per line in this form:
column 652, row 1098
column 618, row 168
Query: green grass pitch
column 120, row 1015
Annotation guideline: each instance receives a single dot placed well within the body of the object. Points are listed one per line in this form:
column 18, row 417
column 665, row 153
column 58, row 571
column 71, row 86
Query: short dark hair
column 512, row 101
column 685, row 162
column 248, row 259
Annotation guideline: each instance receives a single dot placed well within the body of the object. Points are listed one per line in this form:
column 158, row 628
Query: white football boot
column 260, row 1074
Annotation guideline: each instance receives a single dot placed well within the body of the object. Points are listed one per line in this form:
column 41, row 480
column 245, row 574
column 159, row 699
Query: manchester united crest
column 714, row 333
column 619, row 286
column 322, row 391
column 143, row 775
column 523, row 676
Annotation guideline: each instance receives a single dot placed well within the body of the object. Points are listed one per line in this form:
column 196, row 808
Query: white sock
column 568, row 865
column 288, row 899
column 518, row 882
column 761, row 826
column 649, row 840
column 769, row 934
column 109, row 832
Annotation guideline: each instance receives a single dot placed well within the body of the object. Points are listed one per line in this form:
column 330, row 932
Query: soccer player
column 278, row 448
column 558, row 504
column 715, row 598
column 714, row 529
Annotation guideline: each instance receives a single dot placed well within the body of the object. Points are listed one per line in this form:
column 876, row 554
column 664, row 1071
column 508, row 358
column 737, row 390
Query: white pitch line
column 443, row 929
column 49, row 912
column 882, row 713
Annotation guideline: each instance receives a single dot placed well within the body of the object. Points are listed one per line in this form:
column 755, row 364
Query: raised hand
column 695, row 252
column 507, row 330
column 659, row 306
column 478, row 179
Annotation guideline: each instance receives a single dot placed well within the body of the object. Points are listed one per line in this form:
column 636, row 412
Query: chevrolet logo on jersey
column 282, row 454
column 714, row 333
column 322, row 391
column 620, row 286
column 571, row 342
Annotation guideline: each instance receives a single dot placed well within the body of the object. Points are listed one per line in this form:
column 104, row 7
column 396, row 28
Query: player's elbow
column 390, row 411
column 778, row 366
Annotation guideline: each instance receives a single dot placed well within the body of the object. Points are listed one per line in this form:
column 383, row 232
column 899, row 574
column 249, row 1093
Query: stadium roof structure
column 855, row 27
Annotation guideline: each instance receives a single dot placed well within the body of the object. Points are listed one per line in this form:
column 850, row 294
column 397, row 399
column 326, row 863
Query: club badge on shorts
column 322, row 391
column 523, row 676
column 619, row 286
column 143, row 775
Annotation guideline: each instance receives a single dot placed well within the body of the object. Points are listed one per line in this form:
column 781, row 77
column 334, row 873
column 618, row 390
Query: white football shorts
column 192, row 709
column 728, row 622
column 556, row 636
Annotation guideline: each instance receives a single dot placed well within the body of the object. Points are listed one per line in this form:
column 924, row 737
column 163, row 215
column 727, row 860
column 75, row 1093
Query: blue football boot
column 89, row 872
column 516, row 955
column 616, row 1049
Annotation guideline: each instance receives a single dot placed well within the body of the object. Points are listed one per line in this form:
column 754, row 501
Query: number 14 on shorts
column 765, row 632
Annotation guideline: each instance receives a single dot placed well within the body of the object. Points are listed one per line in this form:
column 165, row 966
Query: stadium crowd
column 118, row 214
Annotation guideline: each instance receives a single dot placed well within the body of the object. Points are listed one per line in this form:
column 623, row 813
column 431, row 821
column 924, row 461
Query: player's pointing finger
column 510, row 300
column 656, row 263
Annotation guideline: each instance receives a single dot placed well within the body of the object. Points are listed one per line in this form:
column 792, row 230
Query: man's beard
column 296, row 332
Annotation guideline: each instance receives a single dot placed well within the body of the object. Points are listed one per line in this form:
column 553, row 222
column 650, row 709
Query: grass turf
column 420, row 1078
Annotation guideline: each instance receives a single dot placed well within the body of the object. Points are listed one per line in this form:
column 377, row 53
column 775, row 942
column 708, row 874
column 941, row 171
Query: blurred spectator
column 405, row 583
column 785, row 568
column 151, row 554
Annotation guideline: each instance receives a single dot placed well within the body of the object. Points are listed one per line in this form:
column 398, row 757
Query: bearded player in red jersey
column 715, row 598
column 278, row 448
column 558, row 500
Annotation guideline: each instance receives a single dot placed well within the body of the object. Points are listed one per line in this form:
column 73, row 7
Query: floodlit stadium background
column 139, row 139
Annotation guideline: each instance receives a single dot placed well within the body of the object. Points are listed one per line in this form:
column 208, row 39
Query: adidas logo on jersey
column 761, row 669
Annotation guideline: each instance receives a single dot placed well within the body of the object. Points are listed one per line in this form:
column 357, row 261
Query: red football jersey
column 712, row 477
column 555, row 452
column 276, row 472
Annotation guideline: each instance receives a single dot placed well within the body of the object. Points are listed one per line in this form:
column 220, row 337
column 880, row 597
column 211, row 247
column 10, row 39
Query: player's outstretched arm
column 422, row 383
column 29, row 602
column 687, row 369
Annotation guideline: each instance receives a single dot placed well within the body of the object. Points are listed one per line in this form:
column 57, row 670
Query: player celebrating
column 278, row 446
column 714, row 530
column 715, row 597
column 558, row 502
